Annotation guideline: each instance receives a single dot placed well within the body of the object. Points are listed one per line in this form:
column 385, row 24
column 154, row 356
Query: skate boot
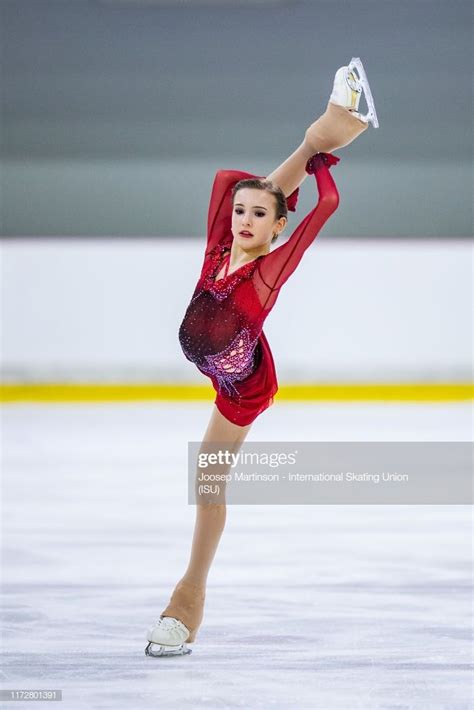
column 347, row 90
column 166, row 637
column 178, row 623
column 342, row 123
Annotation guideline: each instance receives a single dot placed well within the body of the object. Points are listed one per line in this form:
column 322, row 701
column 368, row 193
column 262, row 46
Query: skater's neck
column 239, row 256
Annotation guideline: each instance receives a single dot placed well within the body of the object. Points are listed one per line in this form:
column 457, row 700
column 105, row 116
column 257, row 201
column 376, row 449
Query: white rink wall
column 355, row 310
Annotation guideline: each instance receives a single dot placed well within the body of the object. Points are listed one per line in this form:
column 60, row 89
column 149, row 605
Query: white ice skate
column 347, row 90
column 166, row 638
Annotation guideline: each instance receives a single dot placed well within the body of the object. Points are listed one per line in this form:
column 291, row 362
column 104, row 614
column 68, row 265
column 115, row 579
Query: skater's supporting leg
column 210, row 518
column 187, row 600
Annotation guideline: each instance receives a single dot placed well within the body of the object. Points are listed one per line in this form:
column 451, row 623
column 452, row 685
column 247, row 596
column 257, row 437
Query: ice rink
column 319, row 607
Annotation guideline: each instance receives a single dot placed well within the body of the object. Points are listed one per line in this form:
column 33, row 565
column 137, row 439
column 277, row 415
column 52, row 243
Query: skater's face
column 255, row 212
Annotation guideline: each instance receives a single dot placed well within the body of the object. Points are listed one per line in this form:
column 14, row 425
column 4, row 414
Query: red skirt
column 255, row 393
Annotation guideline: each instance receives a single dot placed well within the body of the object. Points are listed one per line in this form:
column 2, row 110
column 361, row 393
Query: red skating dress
column 222, row 328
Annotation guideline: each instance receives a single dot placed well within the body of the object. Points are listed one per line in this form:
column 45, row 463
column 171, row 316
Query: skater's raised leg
column 338, row 126
column 341, row 123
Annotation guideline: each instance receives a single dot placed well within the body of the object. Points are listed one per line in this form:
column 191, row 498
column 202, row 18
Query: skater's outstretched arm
column 276, row 266
column 219, row 220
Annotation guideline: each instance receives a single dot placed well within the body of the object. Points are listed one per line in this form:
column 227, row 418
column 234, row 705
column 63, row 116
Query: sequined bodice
column 221, row 326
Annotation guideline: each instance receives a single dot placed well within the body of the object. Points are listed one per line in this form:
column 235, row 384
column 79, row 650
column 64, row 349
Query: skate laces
column 169, row 622
column 172, row 626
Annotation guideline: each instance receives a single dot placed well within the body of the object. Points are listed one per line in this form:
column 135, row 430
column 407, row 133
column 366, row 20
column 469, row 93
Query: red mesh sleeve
column 219, row 220
column 276, row 266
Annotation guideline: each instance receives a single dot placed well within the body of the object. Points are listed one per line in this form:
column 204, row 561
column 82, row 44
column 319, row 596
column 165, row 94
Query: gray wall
column 116, row 118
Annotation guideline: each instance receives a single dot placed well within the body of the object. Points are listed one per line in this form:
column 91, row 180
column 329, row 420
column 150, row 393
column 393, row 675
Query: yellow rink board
column 312, row 392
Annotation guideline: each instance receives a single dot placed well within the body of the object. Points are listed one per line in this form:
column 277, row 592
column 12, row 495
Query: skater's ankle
column 194, row 581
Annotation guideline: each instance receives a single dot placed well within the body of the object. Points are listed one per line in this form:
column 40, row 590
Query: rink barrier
column 313, row 392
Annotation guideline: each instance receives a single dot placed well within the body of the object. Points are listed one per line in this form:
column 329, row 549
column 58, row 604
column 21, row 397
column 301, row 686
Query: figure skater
column 240, row 281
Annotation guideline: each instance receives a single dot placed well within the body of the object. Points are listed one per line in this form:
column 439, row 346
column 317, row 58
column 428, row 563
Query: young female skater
column 239, row 284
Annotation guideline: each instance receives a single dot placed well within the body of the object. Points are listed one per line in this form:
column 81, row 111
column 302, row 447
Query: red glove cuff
column 317, row 159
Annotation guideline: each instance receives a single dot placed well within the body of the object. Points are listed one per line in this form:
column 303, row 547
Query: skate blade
column 159, row 651
column 372, row 114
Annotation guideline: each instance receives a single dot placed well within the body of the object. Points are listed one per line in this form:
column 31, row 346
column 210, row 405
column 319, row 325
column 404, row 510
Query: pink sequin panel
column 234, row 363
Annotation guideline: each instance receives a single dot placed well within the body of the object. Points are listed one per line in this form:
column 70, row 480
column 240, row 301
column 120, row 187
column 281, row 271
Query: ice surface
column 319, row 607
